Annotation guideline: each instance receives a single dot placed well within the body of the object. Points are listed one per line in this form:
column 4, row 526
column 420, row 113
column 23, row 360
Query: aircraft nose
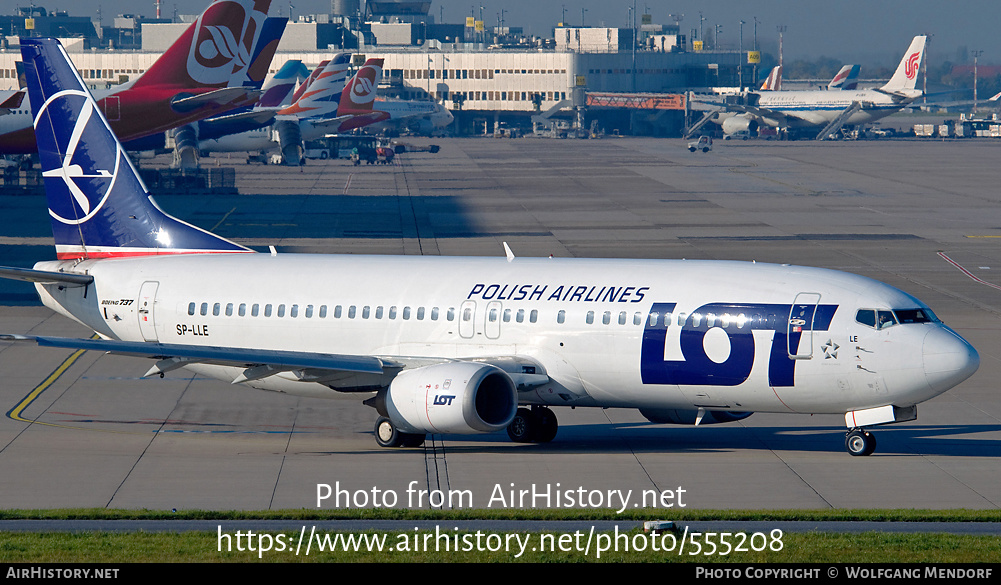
column 948, row 359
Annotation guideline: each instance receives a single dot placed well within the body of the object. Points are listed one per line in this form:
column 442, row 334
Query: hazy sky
column 850, row 30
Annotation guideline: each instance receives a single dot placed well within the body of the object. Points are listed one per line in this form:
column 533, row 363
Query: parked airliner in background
column 214, row 66
column 454, row 344
column 818, row 108
column 846, row 78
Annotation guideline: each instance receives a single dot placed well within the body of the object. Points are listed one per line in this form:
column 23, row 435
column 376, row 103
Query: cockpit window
column 885, row 319
column 876, row 319
column 915, row 316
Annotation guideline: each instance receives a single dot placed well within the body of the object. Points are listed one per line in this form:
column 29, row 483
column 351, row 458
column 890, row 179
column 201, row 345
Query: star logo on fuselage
column 830, row 349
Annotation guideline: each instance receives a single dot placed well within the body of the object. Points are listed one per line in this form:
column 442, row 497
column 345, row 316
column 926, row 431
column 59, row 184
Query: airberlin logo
column 911, row 65
column 363, row 88
column 224, row 35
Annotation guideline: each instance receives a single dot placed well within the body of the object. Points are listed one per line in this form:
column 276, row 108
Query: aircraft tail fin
column 279, row 87
column 359, row 93
column 905, row 78
column 216, row 50
column 774, row 80
column 98, row 204
column 323, row 94
column 846, row 78
column 309, row 81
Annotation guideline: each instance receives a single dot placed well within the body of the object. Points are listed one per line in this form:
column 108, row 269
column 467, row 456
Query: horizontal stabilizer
column 12, row 101
column 218, row 98
column 46, row 277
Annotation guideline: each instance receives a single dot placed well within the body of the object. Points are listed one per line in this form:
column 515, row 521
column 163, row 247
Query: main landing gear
column 860, row 442
column 387, row 435
column 538, row 425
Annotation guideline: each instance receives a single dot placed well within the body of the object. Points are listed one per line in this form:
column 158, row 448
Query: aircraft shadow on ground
column 914, row 440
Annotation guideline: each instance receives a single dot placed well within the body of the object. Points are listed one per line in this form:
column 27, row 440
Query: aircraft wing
column 258, row 363
column 345, row 373
column 219, row 97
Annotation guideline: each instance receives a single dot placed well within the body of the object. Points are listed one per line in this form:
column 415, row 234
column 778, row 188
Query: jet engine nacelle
column 688, row 417
column 459, row 397
column 735, row 124
column 289, row 137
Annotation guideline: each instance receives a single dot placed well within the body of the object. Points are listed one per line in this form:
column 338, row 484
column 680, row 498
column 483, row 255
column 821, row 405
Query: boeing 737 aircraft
column 214, row 66
column 819, row 109
column 465, row 345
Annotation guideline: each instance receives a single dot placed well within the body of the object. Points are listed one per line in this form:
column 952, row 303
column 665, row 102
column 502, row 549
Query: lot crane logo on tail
column 75, row 206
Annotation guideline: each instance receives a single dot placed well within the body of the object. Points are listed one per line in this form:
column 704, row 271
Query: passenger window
column 267, row 310
column 561, row 316
column 622, row 318
column 338, row 312
column 520, row 316
column 653, row 319
column 352, row 311
column 533, row 316
column 323, row 311
column 451, row 314
column 215, row 309
column 229, row 309
column 866, row 317
column 378, row 312
column 255, row 310
column 294, row 311
column 281, row 310
column 406, row 313
column 309, row 311
column 606, row 318
column 507, row 315
column 420, row 313
column 366, row 311
column 467, row 314
column 637, row 318
column 191, row 308
column 589, row 319
column 434, row 314
column 392, row 312
column 243, row 309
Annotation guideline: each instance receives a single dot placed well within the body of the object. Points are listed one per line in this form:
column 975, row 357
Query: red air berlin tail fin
column 359, row 93
column 215, row 51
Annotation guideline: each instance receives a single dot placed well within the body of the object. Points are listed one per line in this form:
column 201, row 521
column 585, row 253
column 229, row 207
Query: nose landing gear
column 860, row 442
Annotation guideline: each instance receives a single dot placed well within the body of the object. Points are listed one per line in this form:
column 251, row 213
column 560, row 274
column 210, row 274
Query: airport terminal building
column 483, row 77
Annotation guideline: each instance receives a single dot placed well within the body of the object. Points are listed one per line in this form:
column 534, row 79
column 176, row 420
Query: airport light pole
column 582, row 11
column 702, row 20
column 976, row 57
column 781, row 28
column 740, row 59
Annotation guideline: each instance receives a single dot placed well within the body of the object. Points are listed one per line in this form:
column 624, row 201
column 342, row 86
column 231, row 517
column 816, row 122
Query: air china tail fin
column 323, row 94
column 215, row 51
column 98, row 204
column 774, row 80
column 906, row 76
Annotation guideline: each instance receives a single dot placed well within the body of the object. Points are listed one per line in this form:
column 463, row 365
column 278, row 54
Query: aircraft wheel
column 522, row 428
column 386, row 434
column 547, row 425
column 860, row 443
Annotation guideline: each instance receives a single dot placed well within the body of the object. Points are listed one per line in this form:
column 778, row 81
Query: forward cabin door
column 147, row 300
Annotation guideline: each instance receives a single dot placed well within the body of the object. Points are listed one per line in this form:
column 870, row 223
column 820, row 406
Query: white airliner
column 460, row 345
column 811, row 109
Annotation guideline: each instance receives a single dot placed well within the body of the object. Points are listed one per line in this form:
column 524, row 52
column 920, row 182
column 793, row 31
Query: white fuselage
column 589, row 323
column 814, row 108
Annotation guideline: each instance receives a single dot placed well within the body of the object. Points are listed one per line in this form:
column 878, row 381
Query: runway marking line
column 967, row 272
column 15, row 413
